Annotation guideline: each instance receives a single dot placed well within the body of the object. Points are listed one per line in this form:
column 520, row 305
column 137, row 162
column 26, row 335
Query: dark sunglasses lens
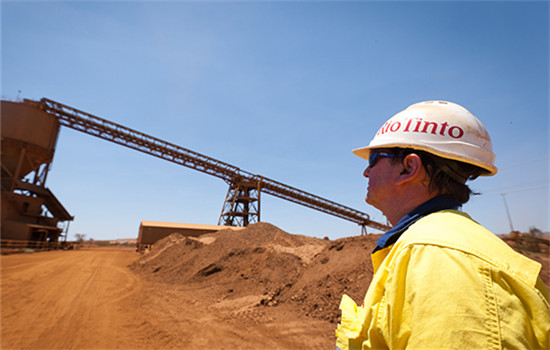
column 373, row 159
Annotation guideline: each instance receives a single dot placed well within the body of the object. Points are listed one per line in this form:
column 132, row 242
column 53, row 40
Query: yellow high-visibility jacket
column 449, row 283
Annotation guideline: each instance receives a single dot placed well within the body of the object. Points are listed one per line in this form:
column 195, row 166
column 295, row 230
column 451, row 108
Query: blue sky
column 281, row 89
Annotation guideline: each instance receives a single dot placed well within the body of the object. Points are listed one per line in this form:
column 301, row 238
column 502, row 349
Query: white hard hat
column 438, row 127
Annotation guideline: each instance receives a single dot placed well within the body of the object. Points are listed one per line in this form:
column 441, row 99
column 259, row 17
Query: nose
column 367, row 171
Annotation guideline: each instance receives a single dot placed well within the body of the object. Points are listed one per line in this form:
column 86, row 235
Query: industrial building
column 30, row 211
column 152, row 231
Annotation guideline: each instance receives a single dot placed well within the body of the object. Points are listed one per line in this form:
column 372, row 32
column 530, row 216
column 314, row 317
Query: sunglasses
column 375, row 156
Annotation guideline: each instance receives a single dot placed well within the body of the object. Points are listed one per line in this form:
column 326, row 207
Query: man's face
column 381, row 174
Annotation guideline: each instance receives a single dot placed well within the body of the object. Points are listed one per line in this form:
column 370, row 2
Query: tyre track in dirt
column 66, row 299
column 89, row 299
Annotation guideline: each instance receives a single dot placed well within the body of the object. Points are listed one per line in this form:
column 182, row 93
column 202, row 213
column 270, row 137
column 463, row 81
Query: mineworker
column 441, row 280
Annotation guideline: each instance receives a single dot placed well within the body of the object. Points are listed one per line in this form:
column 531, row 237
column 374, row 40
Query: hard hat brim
column 490, row 169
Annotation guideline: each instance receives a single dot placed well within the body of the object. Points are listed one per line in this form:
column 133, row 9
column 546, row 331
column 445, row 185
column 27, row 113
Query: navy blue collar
column 435, row 204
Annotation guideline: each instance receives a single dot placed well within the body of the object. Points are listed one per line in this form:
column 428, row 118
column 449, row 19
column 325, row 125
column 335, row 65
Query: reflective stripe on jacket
column 449, row 283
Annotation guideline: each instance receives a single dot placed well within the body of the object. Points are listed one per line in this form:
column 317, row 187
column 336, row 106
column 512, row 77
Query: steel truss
column 242, row 202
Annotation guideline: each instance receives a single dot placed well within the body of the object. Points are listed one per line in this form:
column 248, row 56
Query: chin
column 371, row 202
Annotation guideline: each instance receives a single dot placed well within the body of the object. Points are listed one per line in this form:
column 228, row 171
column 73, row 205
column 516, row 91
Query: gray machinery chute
column 242, row 202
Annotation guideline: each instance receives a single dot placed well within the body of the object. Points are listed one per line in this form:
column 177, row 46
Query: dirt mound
column 265, row 266
column 342, row 267
column 262, row 266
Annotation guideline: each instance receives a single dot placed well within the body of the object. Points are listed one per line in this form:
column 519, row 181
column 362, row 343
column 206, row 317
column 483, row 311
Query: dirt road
column 89, row 299
column 66, row 299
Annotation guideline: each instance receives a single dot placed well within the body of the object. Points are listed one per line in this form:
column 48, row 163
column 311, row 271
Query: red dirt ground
column 256, row 288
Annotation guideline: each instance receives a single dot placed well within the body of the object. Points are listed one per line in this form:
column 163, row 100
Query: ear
column 413, row 169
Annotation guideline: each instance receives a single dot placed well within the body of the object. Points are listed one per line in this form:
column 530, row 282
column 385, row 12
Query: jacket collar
column 435, row 204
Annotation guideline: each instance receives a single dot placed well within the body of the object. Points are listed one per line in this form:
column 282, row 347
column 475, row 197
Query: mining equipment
column 30, row 211
column 242, row 202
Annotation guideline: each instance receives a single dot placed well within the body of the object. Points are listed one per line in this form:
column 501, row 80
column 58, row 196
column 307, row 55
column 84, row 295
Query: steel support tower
column 242, row 202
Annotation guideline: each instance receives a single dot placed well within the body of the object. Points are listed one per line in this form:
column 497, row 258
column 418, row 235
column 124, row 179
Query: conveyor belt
column 243, row 197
